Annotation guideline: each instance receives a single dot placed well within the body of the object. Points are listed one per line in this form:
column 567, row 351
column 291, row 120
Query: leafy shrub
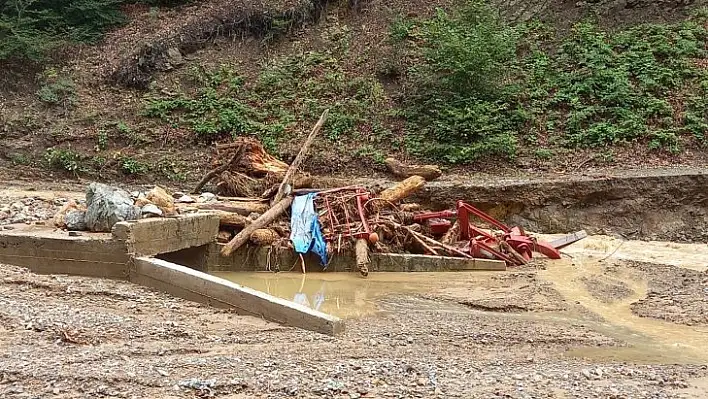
column 29, row 28
column 57, row 90
column 63, row 159
column 462, row 101
column 483, row 86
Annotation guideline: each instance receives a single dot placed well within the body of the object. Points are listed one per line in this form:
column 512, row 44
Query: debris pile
column 254, row 192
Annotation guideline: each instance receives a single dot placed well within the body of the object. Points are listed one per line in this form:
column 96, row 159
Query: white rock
column 186, row 199
column 206, row 197
column 151, row 210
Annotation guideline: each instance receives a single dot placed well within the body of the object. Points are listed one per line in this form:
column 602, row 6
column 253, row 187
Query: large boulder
column 106, row 206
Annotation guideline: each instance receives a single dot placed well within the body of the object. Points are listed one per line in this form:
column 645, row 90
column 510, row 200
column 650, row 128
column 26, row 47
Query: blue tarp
column 305, row 232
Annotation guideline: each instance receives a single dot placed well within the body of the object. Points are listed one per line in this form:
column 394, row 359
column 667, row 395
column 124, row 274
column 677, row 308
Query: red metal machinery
column 513, row 245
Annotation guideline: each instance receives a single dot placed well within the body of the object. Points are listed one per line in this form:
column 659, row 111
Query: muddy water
column 344, row 295
column 650, row 340
column 647, row 340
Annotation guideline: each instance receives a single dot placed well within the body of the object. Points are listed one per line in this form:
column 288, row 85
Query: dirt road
column 556, row 330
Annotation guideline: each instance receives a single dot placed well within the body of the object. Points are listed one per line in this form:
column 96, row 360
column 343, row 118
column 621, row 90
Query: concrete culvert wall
column 661, row 205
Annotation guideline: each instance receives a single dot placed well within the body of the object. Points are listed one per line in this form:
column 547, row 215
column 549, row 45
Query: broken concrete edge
column 153, row 236
column 251, row 258
column 185, row 282
column 55, row 254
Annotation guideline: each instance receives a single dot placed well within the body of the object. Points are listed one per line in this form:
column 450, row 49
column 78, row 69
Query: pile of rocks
column 105, row 206
column 28, row 210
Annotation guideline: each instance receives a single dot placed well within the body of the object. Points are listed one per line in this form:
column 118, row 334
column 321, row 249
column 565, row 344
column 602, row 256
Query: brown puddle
column 650, row 339
column 345, row 295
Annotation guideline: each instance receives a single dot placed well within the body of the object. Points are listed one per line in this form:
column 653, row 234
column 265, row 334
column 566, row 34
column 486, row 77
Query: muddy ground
column 72, row 337
column 613, row 319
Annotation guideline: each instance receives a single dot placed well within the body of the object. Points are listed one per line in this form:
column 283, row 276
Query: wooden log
column 452, row 235
column 242, row 208
column 428, row 248
column 264, row 220
column 211, row 174
column 362, row 256
column 232, row 219
column 284, row 185
column 397, row 168
column 402, row 190
column 264, row 237
column 223, row 236
column 429, row 240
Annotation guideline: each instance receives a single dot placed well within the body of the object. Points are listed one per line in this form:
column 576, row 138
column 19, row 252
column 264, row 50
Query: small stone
column 16, row 206
column 185, row 199
column 162, row 372
column 422, row 381
column 4, row 215
column 178, row 195
column 151, row 210
column 19, row 218
column 135, row 194
column 74, row 234
column 409, row 340
column 206, row 197
column 586, row 373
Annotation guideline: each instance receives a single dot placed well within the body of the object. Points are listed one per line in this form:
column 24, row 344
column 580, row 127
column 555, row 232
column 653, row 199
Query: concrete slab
column 197, row 286
column 154, row 236
column 48, row 251
column 251, row 258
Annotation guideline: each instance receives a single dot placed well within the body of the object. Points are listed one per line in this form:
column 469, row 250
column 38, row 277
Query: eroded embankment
column 237, row 19
column 670, row 205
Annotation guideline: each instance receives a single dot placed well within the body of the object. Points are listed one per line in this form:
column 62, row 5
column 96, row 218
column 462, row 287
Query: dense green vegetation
column 474, row 87
column 484, row 87
column 30, row 28
column 289, row 93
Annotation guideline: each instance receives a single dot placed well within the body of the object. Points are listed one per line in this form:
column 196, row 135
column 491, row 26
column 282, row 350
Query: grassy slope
column 346, row 63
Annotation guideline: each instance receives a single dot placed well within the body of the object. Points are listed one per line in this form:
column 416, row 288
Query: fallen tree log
column 399, row 169
column 265, row 219
column 290, row 174
column 232, row 219
column 400, row 191
column 242, row 208
column 362, row 256
column 264, row 237
column 217, row 171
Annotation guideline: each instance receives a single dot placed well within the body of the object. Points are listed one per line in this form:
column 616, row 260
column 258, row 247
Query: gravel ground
column 73, row 337
column 496, row 335
column 675, row 295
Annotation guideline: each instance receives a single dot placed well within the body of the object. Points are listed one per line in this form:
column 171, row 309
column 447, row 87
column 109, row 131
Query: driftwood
column 428, row 240
column 223, row 236
column 452, row 235
column 300, row 182
column 431, row 250
column 284, row 185
column 217, row 171
column 397, row 168
column 362, row 256
column 264, row 237
column 264, row 220
column 232, row 219
column 242, row 208
column 400, row 191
